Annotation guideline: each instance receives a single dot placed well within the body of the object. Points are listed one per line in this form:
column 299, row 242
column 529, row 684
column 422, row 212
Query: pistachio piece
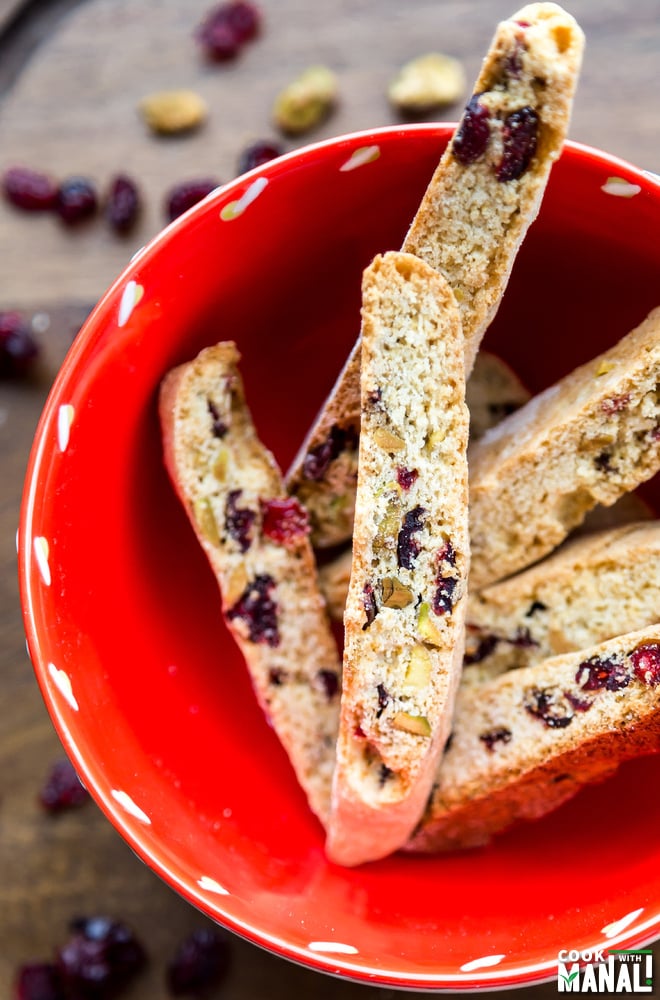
column 220, row 464
column 429, row 81
column 205, row 520
column 420, row 666
column 428, row 631
column 418, row 725
column 170, row 111
column 235, row 585
column 306, row 101
column 387, row 440
column 388, row 527
column 395, row 594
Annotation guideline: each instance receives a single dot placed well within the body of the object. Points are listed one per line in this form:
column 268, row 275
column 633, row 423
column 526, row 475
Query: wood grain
column 72, row 109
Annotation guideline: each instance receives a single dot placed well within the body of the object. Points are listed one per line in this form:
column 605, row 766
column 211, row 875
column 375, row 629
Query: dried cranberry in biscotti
column 258, row 610
column 408, row 547
column 645, row 660
column 284, row 521
column 549, row 705
column 473, row 133
column 519, row 138
column 239, row 520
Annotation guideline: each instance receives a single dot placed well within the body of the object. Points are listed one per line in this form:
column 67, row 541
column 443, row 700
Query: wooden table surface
column 71, row 75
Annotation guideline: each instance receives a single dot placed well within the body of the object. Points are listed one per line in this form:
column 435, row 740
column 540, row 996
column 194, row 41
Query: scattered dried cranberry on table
column 30, row 190
column 76, row 200
column 257, row 154
column 201, row 961
column 100, row 957
column 39, row 981
column 123, row 203
column 186, row 194
column 226, row 28
column 63, row 788
column 18, row 348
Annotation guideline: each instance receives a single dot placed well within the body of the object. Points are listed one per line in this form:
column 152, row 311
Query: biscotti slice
column 588, row 439
column 405, row 609
column 256, row 540
column 485, row 193
column 526, row 741
column 592, row 589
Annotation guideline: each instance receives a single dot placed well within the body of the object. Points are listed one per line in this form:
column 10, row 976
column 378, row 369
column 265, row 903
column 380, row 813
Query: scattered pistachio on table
column 168, row 112
column 429, row 81
column 306, row 101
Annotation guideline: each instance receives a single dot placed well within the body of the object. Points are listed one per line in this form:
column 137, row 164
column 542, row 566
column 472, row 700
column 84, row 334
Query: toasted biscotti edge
column 528, row 740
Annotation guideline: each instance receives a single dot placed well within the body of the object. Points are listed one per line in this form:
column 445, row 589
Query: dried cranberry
column 329, row 682
column 522, row 638
column 238, row 520
column 646, row 663
column 407, row 546
column 258, row 610
column 610, row 674
column 406, row 477
column 39, row 981
column 369, row 604
column 578, row 703
column 284, row 520
column 226, row 28
column 186, row 194
column 29, row 189
column 519, row 138
column 18, row 348
column 100, row 957
column 549, row 705
column 257, row 154
column 319, row 458
column 374, row 396
column 493, row 736
column 201, row 961
column 383, row 699
column 473, row 133
column 277, row 676
column 443, row 598
column 63, row 788
column 446, row 554
column 123, row 203
column 485, row 645
column 513, row 62
column 76, row 200
column 615, row 404
column 218, row 426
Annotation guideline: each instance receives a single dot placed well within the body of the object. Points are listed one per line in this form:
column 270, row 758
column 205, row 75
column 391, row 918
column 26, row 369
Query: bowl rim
column 331, row 962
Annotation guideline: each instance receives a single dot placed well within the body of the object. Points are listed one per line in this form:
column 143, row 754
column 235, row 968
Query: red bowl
column 146, row 688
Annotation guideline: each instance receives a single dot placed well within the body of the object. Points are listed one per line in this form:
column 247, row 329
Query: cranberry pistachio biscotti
column 591, row 589
column 256, row 540
column 404, row 613
column 588, row 439
column 484, row 195
column 525, row 742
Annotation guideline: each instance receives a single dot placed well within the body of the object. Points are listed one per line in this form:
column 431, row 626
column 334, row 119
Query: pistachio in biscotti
column 420, row 666
column 394, row 593
column 205, row 520
column 417, row 725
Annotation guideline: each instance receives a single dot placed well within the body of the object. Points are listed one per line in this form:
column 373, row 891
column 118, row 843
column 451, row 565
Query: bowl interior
column 144, row 683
